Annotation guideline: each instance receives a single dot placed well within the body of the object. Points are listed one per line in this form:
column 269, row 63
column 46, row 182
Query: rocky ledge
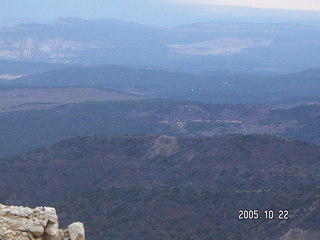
column 41, row 223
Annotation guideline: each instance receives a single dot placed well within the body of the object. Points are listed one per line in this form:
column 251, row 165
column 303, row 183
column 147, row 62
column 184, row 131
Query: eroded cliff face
column 41, row 223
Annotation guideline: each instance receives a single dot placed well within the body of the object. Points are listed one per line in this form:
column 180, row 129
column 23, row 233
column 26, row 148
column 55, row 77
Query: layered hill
column 142, row 187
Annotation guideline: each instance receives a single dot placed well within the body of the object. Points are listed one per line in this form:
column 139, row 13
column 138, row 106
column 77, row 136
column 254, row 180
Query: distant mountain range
column 17, row 68
column 176, row 188
column 244, row 47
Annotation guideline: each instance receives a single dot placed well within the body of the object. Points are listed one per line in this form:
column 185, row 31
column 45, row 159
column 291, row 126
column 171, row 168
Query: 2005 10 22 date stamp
column 263, row 215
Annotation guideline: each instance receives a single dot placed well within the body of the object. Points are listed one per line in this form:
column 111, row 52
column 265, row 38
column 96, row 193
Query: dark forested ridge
column 278, row 90
column 121, row 186
column 24, row 131
column 185, row 213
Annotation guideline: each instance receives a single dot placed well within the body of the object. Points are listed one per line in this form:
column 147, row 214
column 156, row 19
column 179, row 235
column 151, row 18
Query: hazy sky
column 274, row 4
column 156, row 12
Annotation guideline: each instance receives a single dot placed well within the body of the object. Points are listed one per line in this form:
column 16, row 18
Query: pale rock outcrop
column 76, row 231
column 41, row 223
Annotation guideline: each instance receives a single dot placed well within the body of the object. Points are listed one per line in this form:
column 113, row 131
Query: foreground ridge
column 41, row 223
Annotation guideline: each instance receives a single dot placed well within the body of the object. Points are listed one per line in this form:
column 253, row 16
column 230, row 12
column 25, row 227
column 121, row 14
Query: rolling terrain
column 278, row 90
column 23, row 131
column 170, row 152
column 134, row 187
column 164, row 133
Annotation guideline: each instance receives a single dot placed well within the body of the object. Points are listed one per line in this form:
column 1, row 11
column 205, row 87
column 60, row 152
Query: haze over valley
column 162, row 125
column 200, row 47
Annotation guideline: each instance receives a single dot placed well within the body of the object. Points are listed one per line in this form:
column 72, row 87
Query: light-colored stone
column 50, row 214
column 76, row 231
column 52, row 229
column 52, row 232
column 20, row 211
column 41, row 223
